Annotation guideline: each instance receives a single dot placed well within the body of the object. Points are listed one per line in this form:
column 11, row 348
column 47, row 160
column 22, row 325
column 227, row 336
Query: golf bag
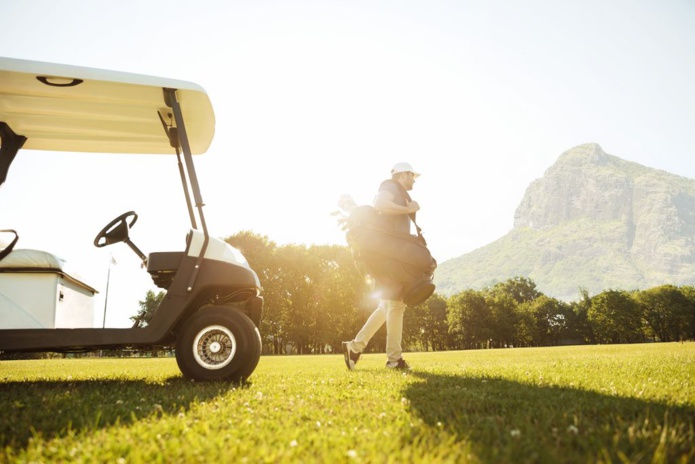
column 401, row 264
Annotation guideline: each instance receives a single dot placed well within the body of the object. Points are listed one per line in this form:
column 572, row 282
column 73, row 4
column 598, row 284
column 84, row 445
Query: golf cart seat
column 163, row 265
column 27, row 259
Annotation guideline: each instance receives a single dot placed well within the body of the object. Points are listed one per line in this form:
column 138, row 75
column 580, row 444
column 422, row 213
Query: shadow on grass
column 507, row 421
column 51, row 409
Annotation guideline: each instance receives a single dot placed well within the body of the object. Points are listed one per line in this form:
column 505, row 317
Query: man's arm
column 383, row 203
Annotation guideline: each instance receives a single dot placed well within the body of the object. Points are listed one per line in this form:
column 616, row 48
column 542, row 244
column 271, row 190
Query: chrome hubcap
column 214, row 347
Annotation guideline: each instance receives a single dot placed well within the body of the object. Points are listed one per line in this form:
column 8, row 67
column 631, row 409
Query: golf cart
column 212, row 308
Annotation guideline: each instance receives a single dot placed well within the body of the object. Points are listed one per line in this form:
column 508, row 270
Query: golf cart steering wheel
column 116, row 231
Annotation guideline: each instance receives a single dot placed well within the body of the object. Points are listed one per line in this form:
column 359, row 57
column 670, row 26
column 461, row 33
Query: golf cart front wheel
column 218, row 343
column 214, row 347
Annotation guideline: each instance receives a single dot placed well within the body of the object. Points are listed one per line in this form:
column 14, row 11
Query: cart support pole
column 172, row 100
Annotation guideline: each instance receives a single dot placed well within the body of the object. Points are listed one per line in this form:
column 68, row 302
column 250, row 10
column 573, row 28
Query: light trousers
column 391, row 312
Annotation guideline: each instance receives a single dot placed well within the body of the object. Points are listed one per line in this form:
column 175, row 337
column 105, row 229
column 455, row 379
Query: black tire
column 218, row 343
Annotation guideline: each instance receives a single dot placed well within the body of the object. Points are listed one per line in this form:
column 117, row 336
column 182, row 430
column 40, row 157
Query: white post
column 106, row 295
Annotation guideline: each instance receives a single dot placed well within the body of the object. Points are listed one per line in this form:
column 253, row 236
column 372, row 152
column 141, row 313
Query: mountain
column 593, row 221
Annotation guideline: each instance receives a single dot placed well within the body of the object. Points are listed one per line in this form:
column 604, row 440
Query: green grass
column 626, row 403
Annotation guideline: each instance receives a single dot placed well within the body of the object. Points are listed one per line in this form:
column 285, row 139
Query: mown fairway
column 627, row 403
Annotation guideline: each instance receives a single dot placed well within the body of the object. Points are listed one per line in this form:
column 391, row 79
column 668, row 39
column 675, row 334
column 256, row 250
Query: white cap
column 404, row 167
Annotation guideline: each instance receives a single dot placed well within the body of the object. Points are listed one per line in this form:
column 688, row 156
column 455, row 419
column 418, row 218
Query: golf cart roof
column 76, row 109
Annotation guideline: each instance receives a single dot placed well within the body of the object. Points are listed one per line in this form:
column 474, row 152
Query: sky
column 314, row 99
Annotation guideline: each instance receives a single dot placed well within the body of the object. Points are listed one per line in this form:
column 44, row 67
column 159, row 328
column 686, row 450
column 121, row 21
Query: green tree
column 689, row 294
column 147, row 308
column 504, row 312
column 513, row 325
column 525, row 331
column 426, row 324
column 437, row 326
column 666, row 312
column 470, row 319
column 342, row 293
column 260, row 253
column 615, row 317
column 316, row 297
column 312, row 295
column 579, row 327
column 297, row 279
column 549, row 318
column 520, row 289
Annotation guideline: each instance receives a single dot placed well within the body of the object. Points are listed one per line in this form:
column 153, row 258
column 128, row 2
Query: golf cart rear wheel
column 218, row 343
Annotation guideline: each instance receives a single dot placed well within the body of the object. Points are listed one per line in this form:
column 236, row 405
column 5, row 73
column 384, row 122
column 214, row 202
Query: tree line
column 315, row 298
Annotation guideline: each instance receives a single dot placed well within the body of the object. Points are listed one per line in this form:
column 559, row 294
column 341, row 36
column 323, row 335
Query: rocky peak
column 586, row 154
column 584, row 182
column 593, row 221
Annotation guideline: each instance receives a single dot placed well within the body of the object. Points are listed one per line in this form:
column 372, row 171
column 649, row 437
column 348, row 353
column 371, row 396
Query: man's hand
column 413, row 206
column 384, row 204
